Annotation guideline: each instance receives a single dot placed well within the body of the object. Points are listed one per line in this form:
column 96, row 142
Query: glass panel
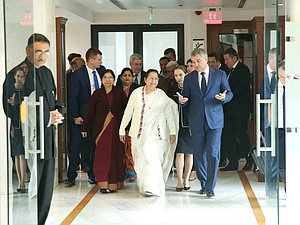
column 270, row 90
column 21, row 172
column 154, row 44
column 116, row 48
column 31, row 147
column 292, row 48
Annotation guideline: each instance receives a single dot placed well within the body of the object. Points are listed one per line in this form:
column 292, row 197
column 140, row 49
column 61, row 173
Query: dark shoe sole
column 202, row 192
column 104, row 191
column 179, row 189
column 210, row 194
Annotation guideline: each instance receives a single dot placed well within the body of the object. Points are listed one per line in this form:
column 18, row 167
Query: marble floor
column 230, row 206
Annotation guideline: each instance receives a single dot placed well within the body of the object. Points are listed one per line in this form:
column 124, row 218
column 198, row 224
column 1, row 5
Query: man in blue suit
column 83, row 83
column 205, row 90
column 269, row 87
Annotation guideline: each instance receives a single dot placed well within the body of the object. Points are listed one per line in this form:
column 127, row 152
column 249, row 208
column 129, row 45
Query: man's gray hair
column 135, row 56
column 199, row 51
column 172, row 63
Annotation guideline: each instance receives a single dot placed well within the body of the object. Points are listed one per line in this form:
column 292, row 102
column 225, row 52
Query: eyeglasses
column 108, row 78
column 39, row 52
column 153, row 79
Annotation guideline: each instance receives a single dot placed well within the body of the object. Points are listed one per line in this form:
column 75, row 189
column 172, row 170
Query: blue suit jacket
column 80, row 91
column 201, row 107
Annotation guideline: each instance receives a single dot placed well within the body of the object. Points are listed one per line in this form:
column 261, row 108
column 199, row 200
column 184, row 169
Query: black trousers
column 235, row 139
column 45, row 182
column 80, row 145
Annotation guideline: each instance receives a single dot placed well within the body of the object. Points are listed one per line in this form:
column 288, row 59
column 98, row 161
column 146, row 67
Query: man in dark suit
column 40, row 79
column 136, row 64
column 83, row 83
column 268, row 88
column 205, row 90
column 235, row 139
column 214, row 60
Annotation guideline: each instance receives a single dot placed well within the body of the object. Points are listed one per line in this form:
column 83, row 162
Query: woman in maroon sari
column 104, row 114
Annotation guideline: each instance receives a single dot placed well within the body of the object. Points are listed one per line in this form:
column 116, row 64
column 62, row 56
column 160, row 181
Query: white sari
column 156, row 116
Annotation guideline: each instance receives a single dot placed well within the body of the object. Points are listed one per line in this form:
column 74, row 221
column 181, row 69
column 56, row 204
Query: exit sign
column 212, row 17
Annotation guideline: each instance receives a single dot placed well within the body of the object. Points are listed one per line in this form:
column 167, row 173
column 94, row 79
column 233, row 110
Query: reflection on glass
column 116, row 48
column 154, row 44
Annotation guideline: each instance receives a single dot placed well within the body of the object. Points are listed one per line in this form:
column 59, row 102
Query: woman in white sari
column 153, row 132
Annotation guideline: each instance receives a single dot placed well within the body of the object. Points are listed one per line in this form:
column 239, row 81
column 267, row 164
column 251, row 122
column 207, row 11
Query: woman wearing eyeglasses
column 104, row 114
column 153, row 132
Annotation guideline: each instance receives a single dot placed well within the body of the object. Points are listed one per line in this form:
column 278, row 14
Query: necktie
column 95, row 80
column 273, row 82
column 203, row 83
column 230, row 71
column 136, row 79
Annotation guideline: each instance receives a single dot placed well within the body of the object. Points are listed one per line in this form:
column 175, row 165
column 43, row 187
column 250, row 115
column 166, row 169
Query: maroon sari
column 108, row 162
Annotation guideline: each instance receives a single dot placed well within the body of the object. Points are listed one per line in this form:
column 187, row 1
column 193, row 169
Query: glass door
column 18, row 88
column 269, row 116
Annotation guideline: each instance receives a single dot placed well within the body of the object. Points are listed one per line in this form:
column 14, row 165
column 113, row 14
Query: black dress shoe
column 210, row 194
column 69, row 183
column 202, row 192
column 248, row 166
column 230, row 167
column 104, row 191
column 222, row 163
column 92, row 181
column 20, row 190
column 178, row 189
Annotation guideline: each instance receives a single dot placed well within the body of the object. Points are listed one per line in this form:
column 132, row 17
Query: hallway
column 230, row 206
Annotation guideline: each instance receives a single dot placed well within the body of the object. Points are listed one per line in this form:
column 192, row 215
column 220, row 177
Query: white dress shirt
column 206, row 71
column 91, row 77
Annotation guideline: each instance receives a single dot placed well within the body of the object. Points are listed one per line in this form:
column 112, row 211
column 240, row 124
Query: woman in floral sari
column 128, row 87
column 104, row 113
column 153, row 131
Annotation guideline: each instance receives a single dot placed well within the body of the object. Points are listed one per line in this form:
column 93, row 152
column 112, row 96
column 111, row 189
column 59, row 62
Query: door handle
column 30, row 128
column 258, row 146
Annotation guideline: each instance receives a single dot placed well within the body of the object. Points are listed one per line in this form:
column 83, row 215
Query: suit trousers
column 206, row 144
column 78, row 144
column 235, row 138
column 45, row 181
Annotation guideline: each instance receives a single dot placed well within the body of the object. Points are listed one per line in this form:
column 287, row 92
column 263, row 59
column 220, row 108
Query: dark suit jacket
column 80, row 91
column 133, row 86
column 201, row 107
column 143, row 75
column 45, row 87
column 239, row 81
column 98, row 109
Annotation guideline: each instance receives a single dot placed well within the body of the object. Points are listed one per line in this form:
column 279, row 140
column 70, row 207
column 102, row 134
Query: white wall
column 78, row 38
column 78, row 34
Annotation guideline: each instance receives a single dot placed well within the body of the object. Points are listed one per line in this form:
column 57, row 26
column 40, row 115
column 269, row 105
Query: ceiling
column 77, row 10
column 101, row 6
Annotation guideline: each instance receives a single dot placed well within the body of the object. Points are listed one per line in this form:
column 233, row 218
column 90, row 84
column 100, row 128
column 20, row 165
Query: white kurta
column 154, row 118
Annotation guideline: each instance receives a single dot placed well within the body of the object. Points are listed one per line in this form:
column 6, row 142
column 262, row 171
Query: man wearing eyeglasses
column 40, row 80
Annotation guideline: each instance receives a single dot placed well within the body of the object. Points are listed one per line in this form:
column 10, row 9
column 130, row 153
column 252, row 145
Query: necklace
column 150, row 95
column 180, row 87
